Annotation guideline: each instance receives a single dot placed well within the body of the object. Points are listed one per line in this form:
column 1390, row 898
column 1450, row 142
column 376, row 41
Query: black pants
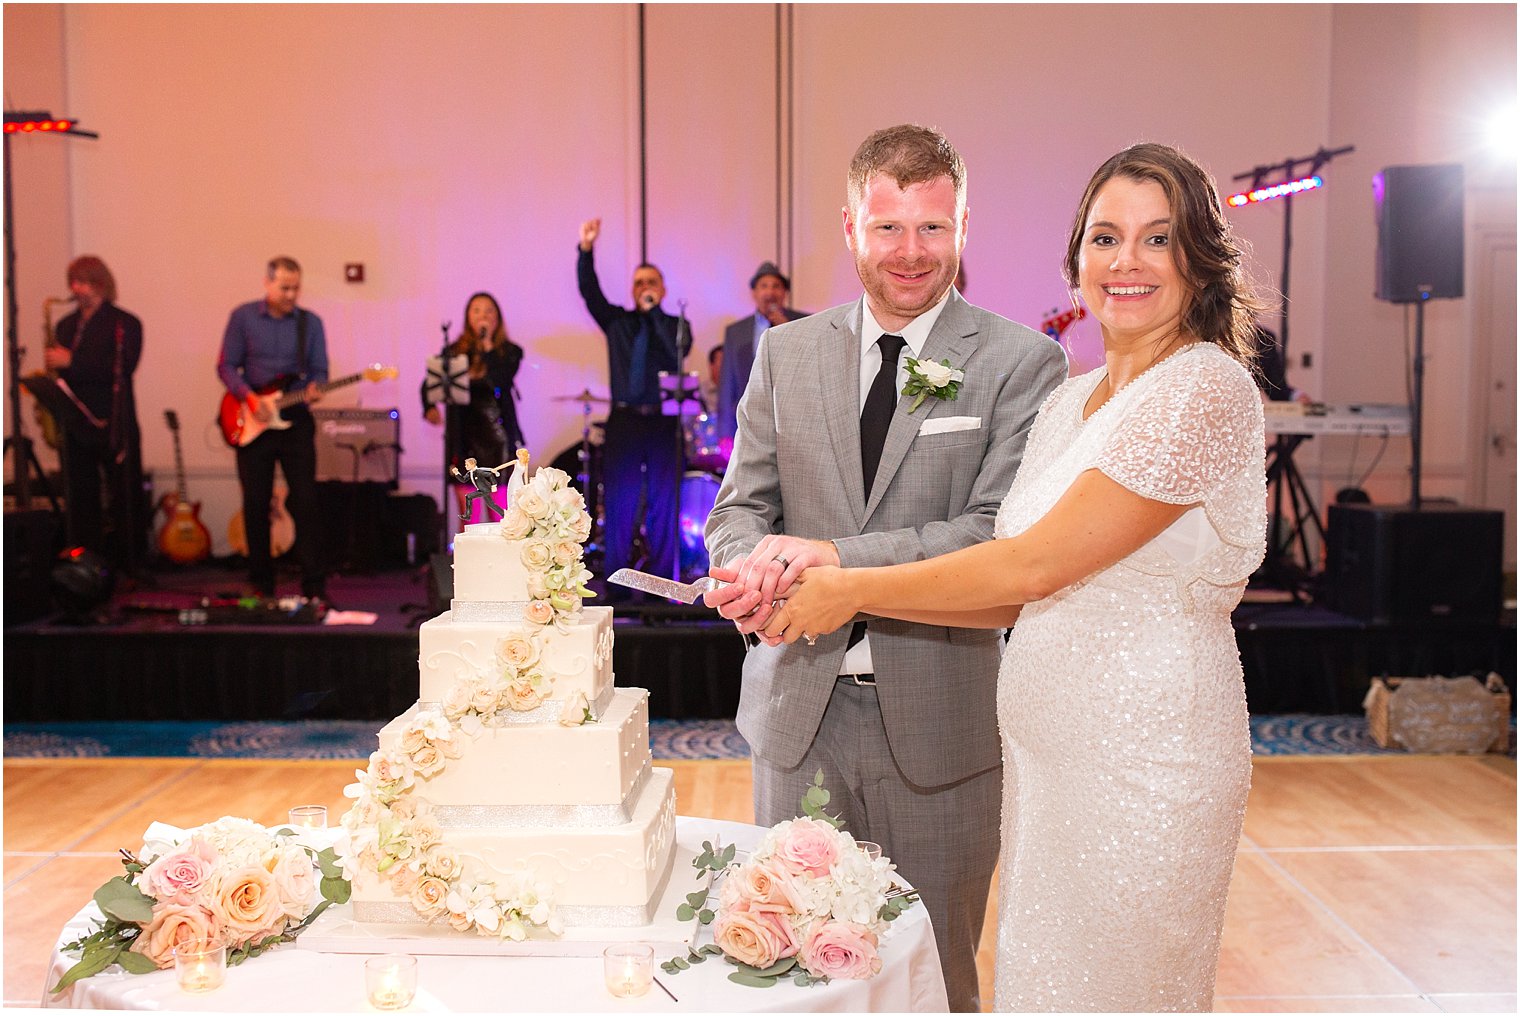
column 296, row 451
column 640, row 448
column 105, row 500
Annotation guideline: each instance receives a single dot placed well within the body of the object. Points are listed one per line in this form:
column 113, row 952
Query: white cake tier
column 487, row 566
column 578, row 659
column 542, row 773
column 611, row 876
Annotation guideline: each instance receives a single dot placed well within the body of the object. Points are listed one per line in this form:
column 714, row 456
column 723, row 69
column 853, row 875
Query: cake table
column 291, row 979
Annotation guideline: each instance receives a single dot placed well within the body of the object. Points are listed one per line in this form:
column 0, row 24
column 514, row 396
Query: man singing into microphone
column 641, row 343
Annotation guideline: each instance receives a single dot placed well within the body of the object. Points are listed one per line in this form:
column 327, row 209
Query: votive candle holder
column 629, row 968
column 873, row 850
column 200, row 967
column 309, row 816
column 390, row 980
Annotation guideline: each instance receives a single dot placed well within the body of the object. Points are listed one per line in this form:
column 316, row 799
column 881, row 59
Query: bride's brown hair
column 1221, row 308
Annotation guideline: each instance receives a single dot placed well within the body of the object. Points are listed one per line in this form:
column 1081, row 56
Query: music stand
column 447, row 385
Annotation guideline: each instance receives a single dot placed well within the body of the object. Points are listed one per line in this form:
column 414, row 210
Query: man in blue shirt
column 272, row 347
column 641, row 443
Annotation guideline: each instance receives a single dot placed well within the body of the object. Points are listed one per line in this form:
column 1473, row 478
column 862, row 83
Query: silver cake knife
column 657, row 585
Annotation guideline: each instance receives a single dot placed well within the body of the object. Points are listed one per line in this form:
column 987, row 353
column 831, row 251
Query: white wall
column 456, row 148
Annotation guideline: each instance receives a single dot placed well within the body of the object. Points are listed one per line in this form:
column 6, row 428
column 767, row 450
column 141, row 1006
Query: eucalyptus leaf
column 337, row 890
column 685, row 912
column 681, row 962
column 122, row 900
column 135, row 963
column 751, row 980
column 698, row 898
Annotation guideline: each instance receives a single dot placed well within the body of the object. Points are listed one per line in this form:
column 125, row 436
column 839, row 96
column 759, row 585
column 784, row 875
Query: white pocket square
column 949, row 424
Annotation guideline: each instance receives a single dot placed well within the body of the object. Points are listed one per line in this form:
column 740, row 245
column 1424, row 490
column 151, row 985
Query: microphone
column 648, row 301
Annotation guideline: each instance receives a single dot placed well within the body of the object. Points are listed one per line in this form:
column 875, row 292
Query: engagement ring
column 812, row 640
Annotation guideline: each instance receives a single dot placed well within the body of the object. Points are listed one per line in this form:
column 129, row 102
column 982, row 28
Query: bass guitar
column 239, row 425
column 184, row 538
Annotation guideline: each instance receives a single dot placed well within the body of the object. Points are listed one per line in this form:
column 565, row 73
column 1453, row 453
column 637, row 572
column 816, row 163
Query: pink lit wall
column 455, row 148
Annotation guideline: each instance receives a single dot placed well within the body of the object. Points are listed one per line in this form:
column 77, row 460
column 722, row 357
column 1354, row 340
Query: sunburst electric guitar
column 240, row 427
column 184, row 538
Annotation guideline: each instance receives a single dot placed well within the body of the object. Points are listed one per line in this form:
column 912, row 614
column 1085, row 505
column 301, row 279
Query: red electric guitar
column 240, row 427
column 184, row 538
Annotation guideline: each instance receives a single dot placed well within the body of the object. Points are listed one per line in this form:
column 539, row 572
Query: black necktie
column 875, row 420
column 876, row 414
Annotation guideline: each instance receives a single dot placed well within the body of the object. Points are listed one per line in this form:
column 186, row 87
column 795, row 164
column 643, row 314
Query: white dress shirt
column 915, row 333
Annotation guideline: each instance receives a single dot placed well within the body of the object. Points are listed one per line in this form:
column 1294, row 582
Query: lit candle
column 309, row 816
column 198, row 968
column 628, row 968
column 391, row 980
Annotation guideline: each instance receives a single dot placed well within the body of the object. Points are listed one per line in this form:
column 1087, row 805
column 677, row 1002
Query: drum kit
column 703, row 455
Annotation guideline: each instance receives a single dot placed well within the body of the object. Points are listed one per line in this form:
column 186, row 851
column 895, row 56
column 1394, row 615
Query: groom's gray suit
column 932, row 715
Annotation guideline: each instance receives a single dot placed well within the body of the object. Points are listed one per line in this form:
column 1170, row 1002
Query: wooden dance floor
column 1364, row 883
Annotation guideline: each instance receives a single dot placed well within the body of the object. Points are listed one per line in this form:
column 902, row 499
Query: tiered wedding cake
column 518, row 791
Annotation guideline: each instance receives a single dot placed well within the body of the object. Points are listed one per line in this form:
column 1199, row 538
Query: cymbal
column 583, row 396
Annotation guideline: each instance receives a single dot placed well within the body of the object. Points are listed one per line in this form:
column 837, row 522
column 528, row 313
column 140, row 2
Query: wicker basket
column 1439, row 715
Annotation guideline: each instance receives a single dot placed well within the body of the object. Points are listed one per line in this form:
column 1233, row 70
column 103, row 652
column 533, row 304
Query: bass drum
column 699, row 492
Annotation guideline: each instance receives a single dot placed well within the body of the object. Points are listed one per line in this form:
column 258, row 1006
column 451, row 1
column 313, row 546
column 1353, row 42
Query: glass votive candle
column 873, row 850
column 309, row 816
column 629, row 968
column 391, row 980
column 200, row 967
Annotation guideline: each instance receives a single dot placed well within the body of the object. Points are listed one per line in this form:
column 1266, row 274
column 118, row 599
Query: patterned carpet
column 1295, row 734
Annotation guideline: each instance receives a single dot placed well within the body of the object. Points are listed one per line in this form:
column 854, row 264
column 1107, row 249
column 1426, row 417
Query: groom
column 832, row 465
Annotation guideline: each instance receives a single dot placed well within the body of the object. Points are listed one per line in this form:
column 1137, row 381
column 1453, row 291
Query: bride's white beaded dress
column 1126, row 745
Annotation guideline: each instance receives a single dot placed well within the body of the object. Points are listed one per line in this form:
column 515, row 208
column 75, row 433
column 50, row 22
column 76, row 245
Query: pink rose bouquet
column 809, row 904
column 229, row 882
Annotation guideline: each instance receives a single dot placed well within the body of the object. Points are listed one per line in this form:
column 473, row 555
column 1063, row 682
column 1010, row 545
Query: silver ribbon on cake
column 489, row 610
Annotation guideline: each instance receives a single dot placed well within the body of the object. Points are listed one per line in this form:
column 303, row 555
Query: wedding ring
column 812, row 640
column 784, row 562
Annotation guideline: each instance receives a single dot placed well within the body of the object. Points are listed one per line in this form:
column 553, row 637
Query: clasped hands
column 785, row 589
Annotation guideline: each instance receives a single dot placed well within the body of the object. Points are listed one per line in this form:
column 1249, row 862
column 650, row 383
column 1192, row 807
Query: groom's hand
column 765, row 576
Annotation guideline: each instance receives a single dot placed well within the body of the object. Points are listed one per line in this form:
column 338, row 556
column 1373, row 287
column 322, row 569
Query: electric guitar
column 282, row 528
column 184, row 538
column 240, row 427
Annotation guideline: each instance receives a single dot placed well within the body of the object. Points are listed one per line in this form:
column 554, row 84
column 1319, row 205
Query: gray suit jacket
column 738, row 361
column 796, row 470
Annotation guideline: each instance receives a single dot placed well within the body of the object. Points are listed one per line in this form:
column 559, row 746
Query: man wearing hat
column 770, row 290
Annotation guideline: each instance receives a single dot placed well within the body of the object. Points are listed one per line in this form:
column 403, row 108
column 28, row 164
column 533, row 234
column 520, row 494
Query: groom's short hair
column 909, row 154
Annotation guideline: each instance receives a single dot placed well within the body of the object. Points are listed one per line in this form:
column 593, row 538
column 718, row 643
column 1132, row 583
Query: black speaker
column 1419, row 218
column 32, row 540
column 1395, row 564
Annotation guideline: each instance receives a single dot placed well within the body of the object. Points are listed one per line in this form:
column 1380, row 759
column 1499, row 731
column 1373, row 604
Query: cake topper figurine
column 519, row 475
column 485, row 480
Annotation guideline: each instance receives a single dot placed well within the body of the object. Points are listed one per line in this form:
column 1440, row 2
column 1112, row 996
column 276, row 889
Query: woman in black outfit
column 486, row 430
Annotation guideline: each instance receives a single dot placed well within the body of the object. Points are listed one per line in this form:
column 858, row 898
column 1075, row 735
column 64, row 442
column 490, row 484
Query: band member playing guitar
column 273, row 343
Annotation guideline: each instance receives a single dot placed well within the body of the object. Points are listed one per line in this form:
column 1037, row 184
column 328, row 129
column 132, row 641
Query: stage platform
column 146, row 660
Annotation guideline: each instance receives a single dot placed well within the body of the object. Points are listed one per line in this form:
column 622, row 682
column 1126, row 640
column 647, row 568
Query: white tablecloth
column 289, row 979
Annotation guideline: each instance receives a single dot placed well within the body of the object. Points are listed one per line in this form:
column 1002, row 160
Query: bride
column 1122, row 547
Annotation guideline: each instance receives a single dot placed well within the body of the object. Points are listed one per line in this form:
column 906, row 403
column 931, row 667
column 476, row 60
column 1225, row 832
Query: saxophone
column 52, row 433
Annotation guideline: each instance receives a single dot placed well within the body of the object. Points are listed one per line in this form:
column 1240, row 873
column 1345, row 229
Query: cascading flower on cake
column 549, row 516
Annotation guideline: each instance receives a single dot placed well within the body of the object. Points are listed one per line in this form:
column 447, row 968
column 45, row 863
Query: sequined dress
column 1123, row 714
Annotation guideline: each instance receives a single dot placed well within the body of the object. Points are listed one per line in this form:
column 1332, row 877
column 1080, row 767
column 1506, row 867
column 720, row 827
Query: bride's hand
column 821, row 601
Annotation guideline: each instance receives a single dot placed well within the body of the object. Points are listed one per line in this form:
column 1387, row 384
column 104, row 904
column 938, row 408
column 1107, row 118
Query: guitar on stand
column 240, row 427
column 184, row 538
column 282, row 528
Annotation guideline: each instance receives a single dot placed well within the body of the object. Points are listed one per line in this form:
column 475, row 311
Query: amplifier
column 358, row 445
column 1392, row 564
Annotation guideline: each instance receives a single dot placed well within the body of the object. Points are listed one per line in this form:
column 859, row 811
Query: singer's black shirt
column 92, row 373
column 621, row 326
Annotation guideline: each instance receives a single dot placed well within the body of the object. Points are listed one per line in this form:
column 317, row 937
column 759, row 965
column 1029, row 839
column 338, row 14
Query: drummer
column 770, row 290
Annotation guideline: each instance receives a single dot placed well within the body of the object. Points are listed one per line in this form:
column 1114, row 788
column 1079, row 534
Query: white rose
column 539, row 611
column 566, row 552
column 937, row 374
column 538, row 587
column 551, row 477
column 537, row 555
column 518, row 650
column 580, row 526
column 515, row 525
column 574, row 713
column 531, row 503
column 568, row 500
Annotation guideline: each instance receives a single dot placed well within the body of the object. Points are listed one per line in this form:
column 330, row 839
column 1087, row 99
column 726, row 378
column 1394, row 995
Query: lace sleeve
column 1195, row 429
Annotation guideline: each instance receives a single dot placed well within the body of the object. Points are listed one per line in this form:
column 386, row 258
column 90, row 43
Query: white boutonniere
column 925, row 378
